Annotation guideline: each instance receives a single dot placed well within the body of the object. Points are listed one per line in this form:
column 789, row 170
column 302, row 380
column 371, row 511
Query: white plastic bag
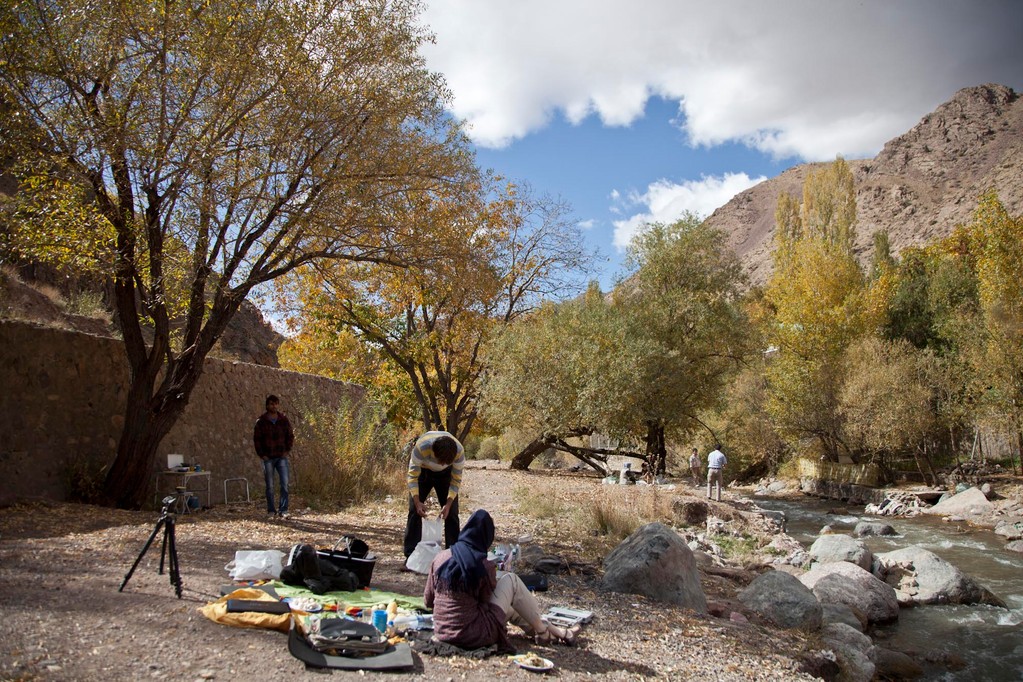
column 433, row 530
column 422, row 556
column 255, row 564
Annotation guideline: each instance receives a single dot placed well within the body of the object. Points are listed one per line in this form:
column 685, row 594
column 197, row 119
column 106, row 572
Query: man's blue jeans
column 280, row 465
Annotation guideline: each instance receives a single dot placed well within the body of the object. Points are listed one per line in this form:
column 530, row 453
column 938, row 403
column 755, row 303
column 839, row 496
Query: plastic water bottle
column 412, row 622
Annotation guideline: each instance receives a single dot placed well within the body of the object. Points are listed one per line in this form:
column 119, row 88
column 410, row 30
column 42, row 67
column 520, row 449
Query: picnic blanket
column 218, row 613
column 362, row 599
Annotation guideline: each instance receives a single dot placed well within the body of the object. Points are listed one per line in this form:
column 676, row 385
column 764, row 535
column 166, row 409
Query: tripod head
column 168, row 506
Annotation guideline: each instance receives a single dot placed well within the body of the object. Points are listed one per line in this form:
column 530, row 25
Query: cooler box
column 352, row 554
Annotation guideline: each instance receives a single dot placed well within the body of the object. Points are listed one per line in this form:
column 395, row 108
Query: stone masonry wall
column 62, row 397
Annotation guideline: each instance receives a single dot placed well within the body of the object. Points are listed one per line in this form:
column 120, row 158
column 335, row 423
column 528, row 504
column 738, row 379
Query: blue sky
column 636, row 110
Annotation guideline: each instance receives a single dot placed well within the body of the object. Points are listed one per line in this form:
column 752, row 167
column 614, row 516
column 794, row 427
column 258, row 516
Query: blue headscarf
column 464, row 570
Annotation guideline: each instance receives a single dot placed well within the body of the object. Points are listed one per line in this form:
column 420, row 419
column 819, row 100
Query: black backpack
column 306, row 569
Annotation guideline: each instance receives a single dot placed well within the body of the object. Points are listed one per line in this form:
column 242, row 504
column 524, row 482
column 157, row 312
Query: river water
column 989, row 639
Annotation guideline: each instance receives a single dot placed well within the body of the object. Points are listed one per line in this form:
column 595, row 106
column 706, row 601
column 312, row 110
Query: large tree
column 223, row 145
column 494, row 257
column 638, row 366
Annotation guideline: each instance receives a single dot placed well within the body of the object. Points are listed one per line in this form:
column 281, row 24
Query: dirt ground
column 64, row 618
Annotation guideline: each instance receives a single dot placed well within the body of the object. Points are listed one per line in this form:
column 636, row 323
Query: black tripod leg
column 168, row 529
column 138, row 559
column 172, row 558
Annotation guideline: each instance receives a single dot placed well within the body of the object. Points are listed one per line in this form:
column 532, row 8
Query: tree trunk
column 127, row 482
column 656, row 453
column 152, row 411
column 522, row 460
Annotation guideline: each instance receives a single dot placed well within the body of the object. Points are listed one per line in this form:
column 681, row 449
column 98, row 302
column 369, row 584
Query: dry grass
column 350, row 456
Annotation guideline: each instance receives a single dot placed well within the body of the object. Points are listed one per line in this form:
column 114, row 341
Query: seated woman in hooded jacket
column 471, row 605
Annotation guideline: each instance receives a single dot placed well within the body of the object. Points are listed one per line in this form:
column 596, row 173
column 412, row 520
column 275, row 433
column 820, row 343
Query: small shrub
column 86, row 303
column 741, row 549
column 489, row 448
column 612, row 520
column 83, row 478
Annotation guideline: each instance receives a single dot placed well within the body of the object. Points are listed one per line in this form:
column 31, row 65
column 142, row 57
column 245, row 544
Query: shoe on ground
column 271, row 516
column 284, row 515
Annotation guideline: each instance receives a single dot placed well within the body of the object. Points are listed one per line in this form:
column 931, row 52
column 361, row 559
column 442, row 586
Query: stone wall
column 63, row 397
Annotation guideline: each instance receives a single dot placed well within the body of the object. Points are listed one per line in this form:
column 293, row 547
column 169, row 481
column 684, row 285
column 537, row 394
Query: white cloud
column 586, row 224
column 665, row 202
column 790, row 77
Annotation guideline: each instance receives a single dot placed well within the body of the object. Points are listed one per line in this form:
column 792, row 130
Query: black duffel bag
column 307, row 569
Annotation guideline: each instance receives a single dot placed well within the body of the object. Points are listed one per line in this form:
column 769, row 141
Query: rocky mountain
column 918, row 188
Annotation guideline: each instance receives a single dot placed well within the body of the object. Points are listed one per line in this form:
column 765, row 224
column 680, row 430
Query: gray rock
column 784, row 600
column 922, row 577
column 853, row 650
column 841, row 613
column 868, row 528
column 1011, row 528
column 969, row 501
column 777, row 486
column 987, row 490
column 841, row 582
column 654, row 561
column 830, row 548
column 1015, row 546
column 894, row 665
column 821, row 664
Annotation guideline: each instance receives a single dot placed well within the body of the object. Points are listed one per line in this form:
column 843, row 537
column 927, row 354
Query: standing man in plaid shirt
column 273, row 439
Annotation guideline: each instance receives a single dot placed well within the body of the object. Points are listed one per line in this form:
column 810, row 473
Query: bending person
column 436, row 464
column 471, row 605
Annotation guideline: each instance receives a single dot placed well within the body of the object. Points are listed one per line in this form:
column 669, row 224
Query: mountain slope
column 917, row 188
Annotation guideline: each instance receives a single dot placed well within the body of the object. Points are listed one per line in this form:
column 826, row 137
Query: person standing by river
column 694, row 467
column 716, row 461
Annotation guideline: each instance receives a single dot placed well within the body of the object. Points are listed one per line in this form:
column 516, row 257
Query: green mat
column 358, row 599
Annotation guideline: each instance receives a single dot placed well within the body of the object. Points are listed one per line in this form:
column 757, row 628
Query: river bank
column 981, row 641
column 64, row 618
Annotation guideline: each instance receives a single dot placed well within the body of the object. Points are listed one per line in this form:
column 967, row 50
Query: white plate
column 304, row 604
column 542, row 668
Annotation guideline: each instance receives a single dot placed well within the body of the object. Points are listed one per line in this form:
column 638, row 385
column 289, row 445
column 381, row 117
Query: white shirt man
column 716, row 461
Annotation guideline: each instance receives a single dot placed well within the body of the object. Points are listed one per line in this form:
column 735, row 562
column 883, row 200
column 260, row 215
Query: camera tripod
column 168, row 552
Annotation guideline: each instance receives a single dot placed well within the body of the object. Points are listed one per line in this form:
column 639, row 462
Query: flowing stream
column 989, row 639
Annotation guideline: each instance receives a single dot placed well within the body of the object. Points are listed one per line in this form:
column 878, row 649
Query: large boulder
column 840, row 613
column 922, row 577
column 865, row 529
column 1011, row 528
column 853, row 649
column 784, row 600
column 894, row 665
column 970, row 501
column 841, row 582
column 829, row 548
column 655, row 562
